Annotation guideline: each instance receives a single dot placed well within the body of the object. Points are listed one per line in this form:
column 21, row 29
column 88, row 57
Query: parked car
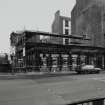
column 87, row 69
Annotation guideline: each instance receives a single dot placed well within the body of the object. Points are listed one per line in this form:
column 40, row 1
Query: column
column 60, row 62
column 31, row 61
column 99, row 61
column 70, row 62
column 103, row 57
column 37, row 61
column 104, row 61
column 87, row 60
column 79, row 61
column 49, row 62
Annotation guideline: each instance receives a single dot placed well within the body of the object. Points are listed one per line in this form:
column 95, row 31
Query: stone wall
column 86, row 19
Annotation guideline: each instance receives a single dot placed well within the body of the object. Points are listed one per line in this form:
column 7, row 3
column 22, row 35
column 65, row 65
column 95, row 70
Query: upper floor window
column 104, row 36
column 104, row 17
column 67, row 41
column 66, row 31
column 66, row 23
column 84, row 36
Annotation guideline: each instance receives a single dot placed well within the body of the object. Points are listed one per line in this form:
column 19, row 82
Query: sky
column 17, row 15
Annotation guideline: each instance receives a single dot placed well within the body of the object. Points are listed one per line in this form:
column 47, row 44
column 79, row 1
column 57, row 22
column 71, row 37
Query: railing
column 95, row 101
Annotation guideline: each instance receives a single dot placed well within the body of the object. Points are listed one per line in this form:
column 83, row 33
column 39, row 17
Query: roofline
column 57, row 35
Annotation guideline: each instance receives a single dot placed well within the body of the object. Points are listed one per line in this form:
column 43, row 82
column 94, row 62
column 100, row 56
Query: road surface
column 51, row 91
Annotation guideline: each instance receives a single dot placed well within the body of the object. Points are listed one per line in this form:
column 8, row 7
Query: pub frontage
column 33, row 54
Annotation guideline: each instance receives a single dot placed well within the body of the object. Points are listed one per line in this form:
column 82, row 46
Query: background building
column 61, row 25
column 4, row 63
column 88, row 19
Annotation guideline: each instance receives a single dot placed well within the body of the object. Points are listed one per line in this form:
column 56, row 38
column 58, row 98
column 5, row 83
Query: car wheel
column 97, row 72
column 78, row 72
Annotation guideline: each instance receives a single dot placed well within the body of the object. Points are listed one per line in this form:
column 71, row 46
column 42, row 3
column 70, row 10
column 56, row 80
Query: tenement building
column 61, row 25
column 88, row 20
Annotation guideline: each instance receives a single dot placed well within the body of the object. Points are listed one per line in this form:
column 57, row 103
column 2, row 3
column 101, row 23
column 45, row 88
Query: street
column 52, row 90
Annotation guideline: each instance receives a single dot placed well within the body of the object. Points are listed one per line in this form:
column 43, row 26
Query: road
column 52, row 90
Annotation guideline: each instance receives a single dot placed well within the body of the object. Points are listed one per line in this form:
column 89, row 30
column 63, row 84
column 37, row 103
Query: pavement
column 35, row 75
column 38, row 75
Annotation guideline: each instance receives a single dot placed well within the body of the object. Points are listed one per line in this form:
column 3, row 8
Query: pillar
column 104, row 61
column 37, row 61
column 103, row 57
column 60, row 62
column 87, row 59
column 99, row 61
column 49, row 62
column 70, row 61
column 79, row 61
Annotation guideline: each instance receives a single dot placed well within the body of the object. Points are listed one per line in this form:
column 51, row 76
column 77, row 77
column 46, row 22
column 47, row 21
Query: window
column 84, row 36
column 104, row 36
column 104, row 17
column 66, row 31
column 66, row 23
column 66, row 41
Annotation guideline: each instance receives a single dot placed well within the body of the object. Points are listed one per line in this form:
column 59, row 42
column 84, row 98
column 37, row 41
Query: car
column 86, row 69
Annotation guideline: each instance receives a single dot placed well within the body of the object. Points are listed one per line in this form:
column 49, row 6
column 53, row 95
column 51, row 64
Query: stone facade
column 88, row 19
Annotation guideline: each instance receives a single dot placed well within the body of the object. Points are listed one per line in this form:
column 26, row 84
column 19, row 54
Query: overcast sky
column 29, row 14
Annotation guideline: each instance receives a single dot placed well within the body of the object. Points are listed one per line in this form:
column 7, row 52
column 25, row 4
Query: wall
column 86, row 19
column 57, row 27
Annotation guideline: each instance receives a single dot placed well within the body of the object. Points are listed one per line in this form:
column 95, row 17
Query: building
column 61, row 25
column 88, row 19
column 19, row 47
column 4, row 63
column 32, row 52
